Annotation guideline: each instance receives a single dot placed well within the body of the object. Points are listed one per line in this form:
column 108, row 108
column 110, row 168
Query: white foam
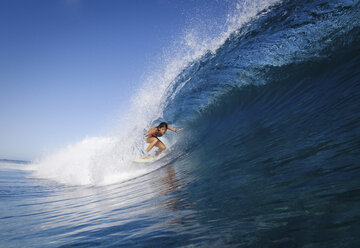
column 106, row 160
column 93, row 161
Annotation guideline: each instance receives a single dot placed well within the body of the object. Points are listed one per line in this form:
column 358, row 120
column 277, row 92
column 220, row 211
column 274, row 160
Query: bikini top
column 157, row 134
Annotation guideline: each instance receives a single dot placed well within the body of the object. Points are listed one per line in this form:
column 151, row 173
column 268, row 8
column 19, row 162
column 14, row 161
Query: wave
column 252, row 79
column 291, row 33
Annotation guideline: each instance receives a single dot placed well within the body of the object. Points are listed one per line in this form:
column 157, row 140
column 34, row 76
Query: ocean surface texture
column 269, row 155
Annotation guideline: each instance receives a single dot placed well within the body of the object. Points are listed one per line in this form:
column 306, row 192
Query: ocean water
column 269, row 155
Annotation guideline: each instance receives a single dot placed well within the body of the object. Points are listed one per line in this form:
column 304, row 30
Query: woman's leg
column 152, row 141
column 161, row 147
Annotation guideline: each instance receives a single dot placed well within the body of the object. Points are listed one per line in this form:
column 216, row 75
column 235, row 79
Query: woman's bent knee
column 152, row 140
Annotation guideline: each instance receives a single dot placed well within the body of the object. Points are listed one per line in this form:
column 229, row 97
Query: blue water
column 269, row 156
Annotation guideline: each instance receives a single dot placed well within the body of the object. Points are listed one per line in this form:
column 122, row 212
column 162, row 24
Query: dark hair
column 162, row 124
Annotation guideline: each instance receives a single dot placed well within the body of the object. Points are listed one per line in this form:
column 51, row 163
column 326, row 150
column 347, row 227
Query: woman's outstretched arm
column 172, row 129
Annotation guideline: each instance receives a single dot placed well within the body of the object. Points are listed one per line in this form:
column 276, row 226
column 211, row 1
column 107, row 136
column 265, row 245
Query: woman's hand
column 179, row 130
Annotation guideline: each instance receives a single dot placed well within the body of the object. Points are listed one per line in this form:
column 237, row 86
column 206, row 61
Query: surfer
column 155, row 132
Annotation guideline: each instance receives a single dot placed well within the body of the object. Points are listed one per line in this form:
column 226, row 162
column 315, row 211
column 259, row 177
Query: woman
column 155, row 132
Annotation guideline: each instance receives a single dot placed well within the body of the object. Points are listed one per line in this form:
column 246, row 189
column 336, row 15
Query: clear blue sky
column 68, row 68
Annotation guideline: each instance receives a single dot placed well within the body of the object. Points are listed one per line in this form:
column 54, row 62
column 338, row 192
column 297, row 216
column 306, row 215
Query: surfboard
column 145, row 160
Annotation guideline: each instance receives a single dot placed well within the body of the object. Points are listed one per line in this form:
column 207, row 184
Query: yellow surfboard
column 145, row 160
